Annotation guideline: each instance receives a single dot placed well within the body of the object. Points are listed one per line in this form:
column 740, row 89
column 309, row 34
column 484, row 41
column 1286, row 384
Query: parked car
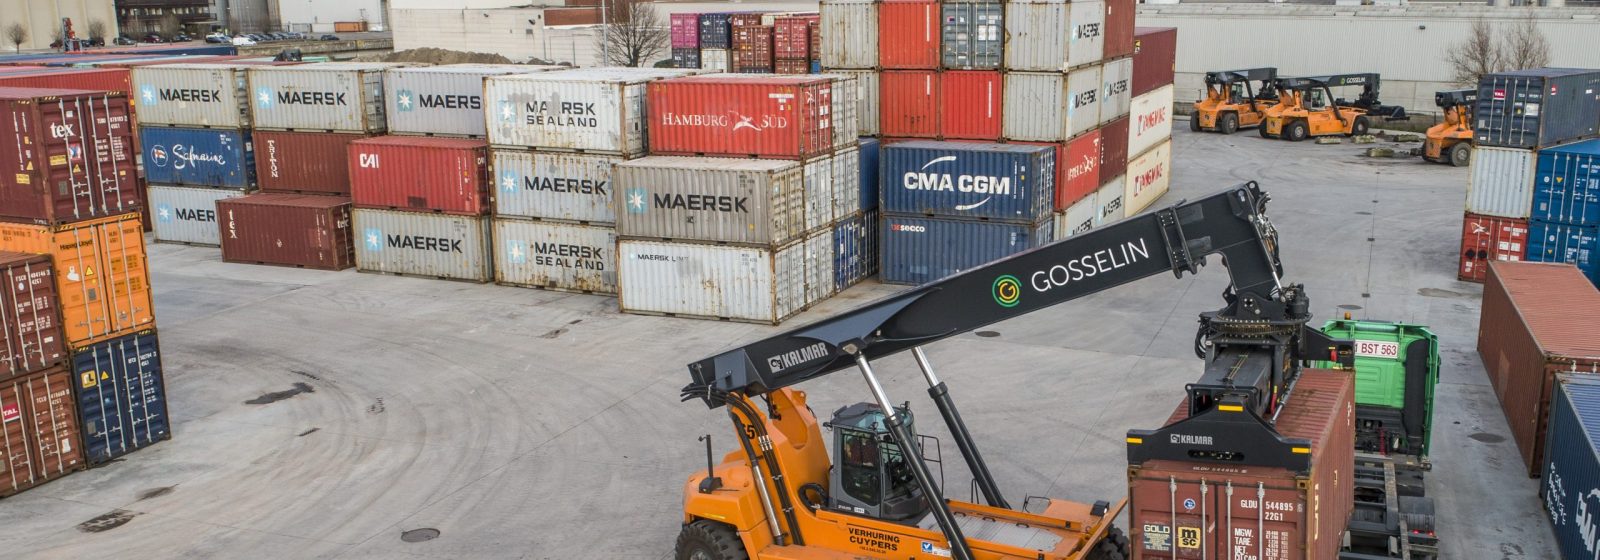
column 153, row 38
column 97, row 41
column 280, row 36
column 218, row 38
column 328, row 38
column 182, row 38
column 243, row 41
column 123, row 40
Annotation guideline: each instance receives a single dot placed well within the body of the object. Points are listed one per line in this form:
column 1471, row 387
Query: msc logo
column 1007, row 291
column 374, row 239
column 158, row 155
column 404, row 100
column 635, row 199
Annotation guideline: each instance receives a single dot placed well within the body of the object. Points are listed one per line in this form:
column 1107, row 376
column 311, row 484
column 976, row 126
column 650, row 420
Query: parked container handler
column 1308, row 108
column 1234, row 101
column 1450, row 141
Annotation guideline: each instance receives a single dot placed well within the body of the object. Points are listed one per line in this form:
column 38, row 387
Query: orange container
column 100, row 274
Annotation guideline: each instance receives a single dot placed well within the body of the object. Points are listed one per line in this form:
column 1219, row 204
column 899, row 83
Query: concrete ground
column 323, row 415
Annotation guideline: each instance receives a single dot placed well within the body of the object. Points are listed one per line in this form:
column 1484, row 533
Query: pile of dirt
column 439, row 56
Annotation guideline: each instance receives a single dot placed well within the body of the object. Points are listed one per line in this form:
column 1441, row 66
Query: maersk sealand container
column 1570, row 487
column 1536, row 108
column 918, row 249
column 999, row 182
column 1566, row 184
column 198, row 157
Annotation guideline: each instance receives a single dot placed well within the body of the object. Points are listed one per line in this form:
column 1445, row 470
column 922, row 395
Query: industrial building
column 43, row 19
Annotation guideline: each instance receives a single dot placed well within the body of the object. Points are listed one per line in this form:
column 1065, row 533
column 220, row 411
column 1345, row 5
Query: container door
column 1174, row 519
column 53, row 421
column 128, row 280
column 1258, row 522
column 16, row 463
column 81, row 280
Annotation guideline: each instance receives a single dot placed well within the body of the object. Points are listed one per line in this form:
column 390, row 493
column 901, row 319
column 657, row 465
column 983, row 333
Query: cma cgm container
column 38, row 430
column 1119, row 27
column 918, row 249
column 1150, row 120
column 420, row 174
column 1108, row 201
column 66, row 155
column 753, row 201
column 101, row 276
column 592, row 110
column 188, row 214
column 1155, row 52
column 1565, row 243
column 757, row 284
column 908, row 34
column 326, row 97
column 1116, row 92
column 970, row 104
column 1538, row 320
column 442, row 100
column 855, row 240
column 212, row 157
column 1572, row 475
column 1501, row 182
column 910, row 103
column 554, row 185
column 775, row 117
column 1149, row 177
column 554, row 255
column 849, row 34
column 1533, row 109
column 1114, row 147
column 306, row 231
column 33, row 338
column 1001, row 182
column 1086, row 42
column 974, row 34
column 122, row 398
column 304, row 162
column 1566, row 184
column 425, row 245
column 198, row 95
column 1490, row 238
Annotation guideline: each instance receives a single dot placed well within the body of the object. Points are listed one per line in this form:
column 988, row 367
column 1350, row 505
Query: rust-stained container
column 1490, row 238
column 100, row 274
column 1155, row 52
column 32, row 337
column 908, row 34
column 1114, row 148
column 304, row 162
column 752, row 49
column 66, row 155
column 909, row 103
column 969, row 104
column 791, row 38
column 848, row 34
column 420, row 174
column 306, row 231
column 1194, row 509
column 786, row 66
column 96, row 79
column 782, row 117
column 1538, row 319
column 1118, row 28
column 38, row 430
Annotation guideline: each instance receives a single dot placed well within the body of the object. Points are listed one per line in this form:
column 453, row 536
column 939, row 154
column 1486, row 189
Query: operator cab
column 872, row 475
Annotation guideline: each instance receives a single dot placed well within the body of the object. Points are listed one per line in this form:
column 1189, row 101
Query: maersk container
column 782, row 117
column 443, row 100
column 554, row 185
column 821, row 260
column 866, row 101
column 919, row 249
column 1570, row 487
column 1116, row 93
column 1083, row 101
column 1037, row 34
column 1086, row 43
column 974, row 35
column 855, row 240
column 1533, row 109
column 1149, row 177
column 1045, row 90
column 555, row 255
column 1566, row 185
column 849, row 34
column 425, row 245
column 757, row 284
column 210, row 157
column 599, row 110
column 1000, row 182
column 846, row 167
column 1501, row 182
column 188, row 214
column 1078, row 218
column 871, row 149
column 1109, row 201
column 1562, row 243
column 326, row 97
column 203, row 95
column 752, row 201
column 122, row 398
column 1149, row 121
column 818, row 191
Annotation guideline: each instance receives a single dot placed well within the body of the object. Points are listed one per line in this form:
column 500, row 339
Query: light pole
column 605, row 40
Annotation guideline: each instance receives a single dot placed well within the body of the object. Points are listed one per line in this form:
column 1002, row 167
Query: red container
column 1538, row 319
column 1119, row 28
column 752, row 49
column 747, row 18
column 39, row 439
column 301, row 230
column 782, row 117
column 908, row 34
column 792, row 67
column 66, row 155
column 1114, row 149
column 1155, row 51
column 909, row 103
column 791, row 38
column 304, row 162
column 92, row 79
column 816, row 38
column 29, row 309
column 969, row 102
column 685, row 31
column 1078, row 170
column 420, row 174
column 1490, row 238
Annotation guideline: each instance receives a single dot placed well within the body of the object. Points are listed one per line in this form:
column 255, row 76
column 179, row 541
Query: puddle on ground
column 1487, row 437
column 107, row 521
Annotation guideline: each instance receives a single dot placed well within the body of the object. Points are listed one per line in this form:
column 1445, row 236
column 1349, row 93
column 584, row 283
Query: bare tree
column 170, row 24
column 1525, row 46
column 633, row 34
column 97, row 29
column 16, row 34
column 1475, row 55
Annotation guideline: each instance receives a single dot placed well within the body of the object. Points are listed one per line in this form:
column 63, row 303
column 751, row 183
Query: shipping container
column 554, row 255
column 817, row 190
column 969, row 104
column 121, row 396
column 1490, row 238
column 909, row 103
column 198, row 95
column 973, row 34
column 1109, row 201
column 751, row 201
column 420, row 174
column 1045, row 91
column 40, row 428
column 716, row 60
column 1114, row 148
column 791, row 39
column 908, row 34
column 1239, row 510
column 1501, row 182
column 443, row 100
column 209, row 157
column 1037, row 32
column 188, row 214
column 1078, row 169
column 715, row 32
column 821, row 258
column 1536, row 108
column 919, row 249
column 1149, row 177
column 738, row 19
column 1155, row 52
column 1116, row 97
column 685, row 58
column 350, row 26
column 1562, row 243
column 1077, row 218
column 1538, row 320
column 792, row 67
column 307, row 231
column 101, row 276
column 326, row 97
column 1150, row 121
column 752, row 49
column 114, row 80
column 845, row 108
column 685, row 31
column 855, row 239
column 1001, row 182
column 845, row 166
column 599, row 110
column 1572, row 474
column 30, row 310
column 1083, row 101
column 871, row 150
column 441, row 246
column 1119, row 28
column 1087, row 42
column 849, row 34
column 304, row 162
column 71, row 155
column 1566, row 184
column 555, row 185
column 786, row 117
column 757, row 284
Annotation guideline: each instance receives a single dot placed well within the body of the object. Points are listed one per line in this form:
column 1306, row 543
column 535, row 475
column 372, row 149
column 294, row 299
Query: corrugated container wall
column 41, row 441
column 1086, row 44
column 910, row 103
column 974, row 35
column 871, row 156
column 752, row 49
column 716, row 60
column 122, row 397
column 326, row 97
column 203, row 95
column 1116, row 93
column 844, row 108
column 1490, row 238
column 425, row 245
column 188, row 214
column 777, row 117
column 1150, row 121
column 420, row 174
column 1119, row 27
column 1046, row 91
column 307, row 231
column 1114, row 148
column 1083, row 101
column 1002, row 182
column 102, row 280
column 214, row 157
column 593, row 110
column 715, row 33
column 845, row 171
column 821, row 260
column 817, row 177
column 1038, row 33
column 29, row 308
column 685, row 58
column 685, row 31
column 1537, row 108
column 1566, row 183
column 908, row 34
column 1501, row 182
column 970, row 104
column 764, row 285
column 443, row 100
column 560, row 256
column 1155, row 51
column 1077, row 218
column 918, row 250
column 1149, row 177
column 855, row 240
column 1572, row 475
column 304, row 162
column 1108, row 201
column 1564, row 243
column 559, row 186
column 99, row 79
column 754, row 201
column 1078, row 169
column 68, row 155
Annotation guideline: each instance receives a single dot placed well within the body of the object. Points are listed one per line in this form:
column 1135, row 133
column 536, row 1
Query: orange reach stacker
column 1233, row 101
column 1308, row 108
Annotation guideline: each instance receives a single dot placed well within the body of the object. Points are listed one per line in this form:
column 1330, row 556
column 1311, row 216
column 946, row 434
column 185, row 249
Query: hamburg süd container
column 197, row 95
column 1044, row 90
column 1490, row 238
column 1155, row 54
column 39, row 425
column 1566, row 184
column 1538, row 320
column 554, row 185
column 1000, row 182
column 746, row 201
column 1150, row 121
column 1037, row 33
column 1109, row 201
column 555, row 255
column 420, row 174
column 970, row 104
column 1119, row 27
column 866, row 82
column 1077, row 218
column 1086, row 43
column 100, row 273
column 716, row 60
column 849, row 34
column 1149, row 177
column 1571, row 482
column 855, row 240
column 756, row 284
column 588, row 110
column 1532, row 109
column 908, row 34
column 871, row 150
column 782, row 117
column 1114, row 147
column 122, row 397
column 715, row 31
column 209, row 157
column 1077, row 169
column 66, row 155
column 424, row 245
column 1116, row 96
column 304, row 162
column 326, row 97
column 1501, row 182
column 306, row 231
column 909, row 103
column 845, row 167
column 974, row 35
column 1564, row 243
column 919, row 249
column 443, row 100
column 821, row 258
column 188, row 214
column 30, row 309
column 685, row 31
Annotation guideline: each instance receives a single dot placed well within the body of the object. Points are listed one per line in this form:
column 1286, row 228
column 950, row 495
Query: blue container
column 178, row 50
column 1566, row 184
column 1570, row 485
column 870, row 150
column 716, row 31
column 122, row 402
column 1002, row 182
column 1578, row 245
column 1532, row 109
column 201, row 157
column 855, row 239
column 920, row 249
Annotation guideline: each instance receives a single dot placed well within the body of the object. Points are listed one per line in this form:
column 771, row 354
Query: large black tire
column 1228, row 123
column 1360, row 126
column 1194, row 122
column 1262, row 130
column 708, row 540
column 1113, row 547
column 1296, row 131
column 1459, row 155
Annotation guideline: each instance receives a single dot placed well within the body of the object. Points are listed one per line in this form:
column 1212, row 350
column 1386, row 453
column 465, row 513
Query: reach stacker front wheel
column 708, row 540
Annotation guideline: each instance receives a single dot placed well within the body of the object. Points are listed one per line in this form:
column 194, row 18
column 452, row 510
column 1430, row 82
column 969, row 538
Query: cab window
column 860, row 469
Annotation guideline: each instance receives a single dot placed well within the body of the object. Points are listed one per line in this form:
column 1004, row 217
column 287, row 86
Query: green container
column 1397, row 367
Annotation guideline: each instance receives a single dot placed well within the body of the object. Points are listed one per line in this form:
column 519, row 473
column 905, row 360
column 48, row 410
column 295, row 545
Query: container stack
column 685, row 40
column 196, row 143
column 746, row 42
column 793, row 37
column 1148, row 174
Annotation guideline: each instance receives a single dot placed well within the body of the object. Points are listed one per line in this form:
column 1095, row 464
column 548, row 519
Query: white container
column 1079, row 218
column 716, row 60
column 1116, row 90
column 1501, row 182
column 711, row 281
column 443, row 100
column 849, row 31
column 187, row 214
column 845, row 112
column 599, row 110
column 1083, row 101
column 1149, row 176
column 1046, row 95
column 866, row 100
column 846, row 182
column 1087, row 42
column 194, row 95
column 326, row 97
column 1036, row 35
column 820, row 262
column 1108, row 201
column 428, row 245
column 819, row 191
column 753, row 201
column 554, row 185
column 571, row 257
column 1150, row 120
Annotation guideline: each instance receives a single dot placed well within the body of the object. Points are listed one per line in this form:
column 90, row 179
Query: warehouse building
column 43, row 19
